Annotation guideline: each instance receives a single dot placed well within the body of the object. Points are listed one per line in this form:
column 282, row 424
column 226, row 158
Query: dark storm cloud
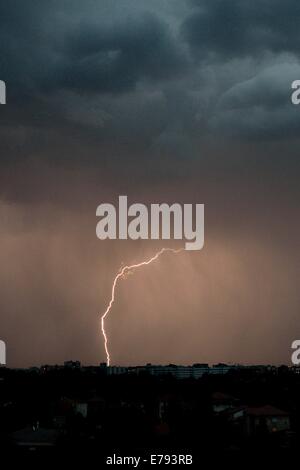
column 64, row 67
column 238, row 27
column 40, row 54
column 115, row 58
column 129, row 75
column 26, row 44
column 260, row 106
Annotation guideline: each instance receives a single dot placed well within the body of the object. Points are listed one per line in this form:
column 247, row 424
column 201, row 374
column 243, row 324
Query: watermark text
column 162, row 221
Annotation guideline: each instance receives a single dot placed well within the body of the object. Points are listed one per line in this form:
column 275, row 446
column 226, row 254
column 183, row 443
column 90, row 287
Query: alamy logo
column 296, row 354
column 2, row 92
column 2, row 353
column 166, row 221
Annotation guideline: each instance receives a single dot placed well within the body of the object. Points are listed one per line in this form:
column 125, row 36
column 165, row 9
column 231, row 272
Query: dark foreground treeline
column 81, row 412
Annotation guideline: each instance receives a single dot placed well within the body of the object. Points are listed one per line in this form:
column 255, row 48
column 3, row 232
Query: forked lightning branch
column 161, row 218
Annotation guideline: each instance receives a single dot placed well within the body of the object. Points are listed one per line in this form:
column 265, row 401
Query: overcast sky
column 164, row 101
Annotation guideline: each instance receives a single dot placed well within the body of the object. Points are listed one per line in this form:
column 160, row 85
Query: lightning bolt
column 121, row 274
